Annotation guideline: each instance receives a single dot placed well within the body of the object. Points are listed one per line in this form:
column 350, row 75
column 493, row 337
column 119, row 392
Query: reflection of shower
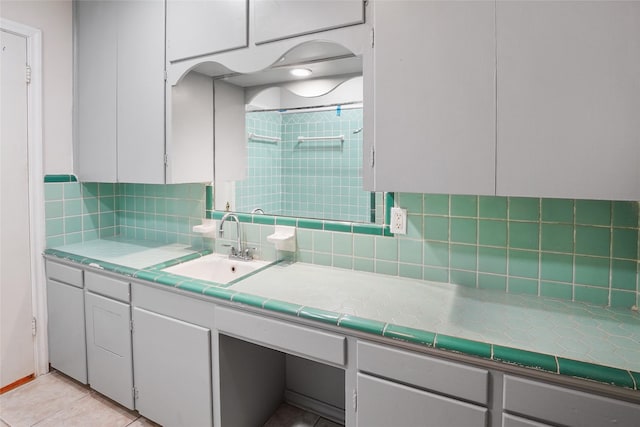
column 357, row 131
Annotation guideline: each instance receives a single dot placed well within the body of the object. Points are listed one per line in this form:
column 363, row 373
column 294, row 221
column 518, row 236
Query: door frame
column 35, row 160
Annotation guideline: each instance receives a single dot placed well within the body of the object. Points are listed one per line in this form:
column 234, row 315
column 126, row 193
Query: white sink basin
column 217, row 268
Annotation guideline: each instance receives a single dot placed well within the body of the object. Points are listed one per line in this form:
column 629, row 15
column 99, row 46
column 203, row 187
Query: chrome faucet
column 237, row 252
column 257, row 211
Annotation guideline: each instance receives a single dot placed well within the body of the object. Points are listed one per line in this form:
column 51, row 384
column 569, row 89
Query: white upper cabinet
column 96, row 91
column 204, row 27
column 281, row 19
column 433, row 97
column 569, row 99
column 141, row 95
column 120, row 91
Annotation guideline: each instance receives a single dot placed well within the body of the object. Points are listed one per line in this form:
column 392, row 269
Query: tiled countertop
column 573, row 339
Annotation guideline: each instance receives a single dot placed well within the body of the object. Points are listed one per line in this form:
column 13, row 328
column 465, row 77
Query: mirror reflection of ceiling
column 322, row 58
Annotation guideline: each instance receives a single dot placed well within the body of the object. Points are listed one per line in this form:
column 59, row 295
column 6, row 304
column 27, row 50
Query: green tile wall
column 164, row 213
column 77, row 212
column 313, row 179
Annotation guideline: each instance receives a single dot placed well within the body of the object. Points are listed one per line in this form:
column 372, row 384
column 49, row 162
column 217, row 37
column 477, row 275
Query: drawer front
column 566, row 406
column 513, row 421
column 64, row 273
column 441, row 376
column 299, row 340
column 107, row 286
column 384, row 403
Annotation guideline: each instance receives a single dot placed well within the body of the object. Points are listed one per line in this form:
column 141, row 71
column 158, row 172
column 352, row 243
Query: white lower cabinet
column 172, row 370
column 108, row 320
column 385, row 403
column 397, row 387
column 65, row 302
column 564, row 406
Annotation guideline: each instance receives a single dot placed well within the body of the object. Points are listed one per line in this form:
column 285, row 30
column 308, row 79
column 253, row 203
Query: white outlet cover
column 398, row 221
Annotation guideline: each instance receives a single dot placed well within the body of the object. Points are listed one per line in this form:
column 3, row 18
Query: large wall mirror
column 300, row 127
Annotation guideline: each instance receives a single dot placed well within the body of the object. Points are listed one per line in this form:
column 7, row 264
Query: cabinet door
column 96, row 91
column 67, row 342
column 141, row 91
column 434, row 91
column 280, row 19
column 384, row 403
column 172, row 370
column 109, row 357
column 202, row 27
column 569, row 99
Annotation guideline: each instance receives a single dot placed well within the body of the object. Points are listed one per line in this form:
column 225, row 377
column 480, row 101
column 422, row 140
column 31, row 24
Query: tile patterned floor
column 54, row 400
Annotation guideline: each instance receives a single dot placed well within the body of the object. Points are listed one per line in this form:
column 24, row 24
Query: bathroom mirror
column 300, row 127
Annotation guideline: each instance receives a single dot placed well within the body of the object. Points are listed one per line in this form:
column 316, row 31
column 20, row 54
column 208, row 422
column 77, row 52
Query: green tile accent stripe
column 282, row 307
column 176, row 261
column 60, row 178
column 252, row 300
column 525, row 358
column 323, row 316
column 361, row 324
column 603, row 374
column 411, row 335
column 194, row 286
column 461, row 345
column 216, row 292
column 636, row 379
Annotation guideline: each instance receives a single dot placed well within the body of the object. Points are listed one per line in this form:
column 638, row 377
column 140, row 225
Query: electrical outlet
column 398, row 221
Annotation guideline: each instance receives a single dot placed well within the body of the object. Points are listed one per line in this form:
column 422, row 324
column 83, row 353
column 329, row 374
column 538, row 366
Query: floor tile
column 290, row 416
column 40, row 399
column 92, row 410
column 143, row 422
column 323, row 422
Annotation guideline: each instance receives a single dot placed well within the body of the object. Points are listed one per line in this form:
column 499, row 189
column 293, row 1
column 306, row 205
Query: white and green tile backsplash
column 578, row 250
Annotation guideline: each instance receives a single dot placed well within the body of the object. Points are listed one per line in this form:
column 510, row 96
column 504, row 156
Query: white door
column 16, row 340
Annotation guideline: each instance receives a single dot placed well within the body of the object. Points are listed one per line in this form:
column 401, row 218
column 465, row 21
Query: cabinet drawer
column 453, row 379
column 384, row 403
column 305, row 342
column 565, row 406
column 108, row 286
column 64, row 273
column 513, row 421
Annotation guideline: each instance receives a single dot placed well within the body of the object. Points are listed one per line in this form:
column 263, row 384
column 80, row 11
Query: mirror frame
column 309, row 223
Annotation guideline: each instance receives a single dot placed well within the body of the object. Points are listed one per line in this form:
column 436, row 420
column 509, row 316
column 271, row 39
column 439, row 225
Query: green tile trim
column 182, row 259
column 373, row 230
column 525, row 358
column 290, row 222
column 411, row 335
column 209, row 197
column 461, row 345
column 389, row 201
column 221, row 293
column 345, row 227
column 311, row 224
column 264, row 219
column 316, row 224
column 193, row 286
column 248, row 299
column 323, row 316
column 603, row 374
column 150, row 276
column 636, row 378
column 60, row 178
column 171, row 280
column 282, row 307
column 361, row 324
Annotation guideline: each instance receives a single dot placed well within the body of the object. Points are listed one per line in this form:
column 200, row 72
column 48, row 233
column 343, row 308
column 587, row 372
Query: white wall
column 54, row 18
